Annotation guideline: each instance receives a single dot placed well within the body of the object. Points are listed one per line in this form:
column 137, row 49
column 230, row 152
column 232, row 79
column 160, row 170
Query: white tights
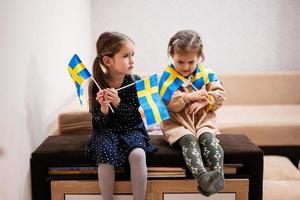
column 138, row 175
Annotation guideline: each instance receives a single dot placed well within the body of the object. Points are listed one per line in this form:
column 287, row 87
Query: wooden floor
column 156, row 189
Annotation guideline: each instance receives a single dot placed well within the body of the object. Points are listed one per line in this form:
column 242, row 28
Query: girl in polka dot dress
column 119, row 137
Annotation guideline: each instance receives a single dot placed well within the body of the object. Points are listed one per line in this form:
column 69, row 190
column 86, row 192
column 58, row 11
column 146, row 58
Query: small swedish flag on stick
column 79, row 73
column 147, row 91
column 150, row 101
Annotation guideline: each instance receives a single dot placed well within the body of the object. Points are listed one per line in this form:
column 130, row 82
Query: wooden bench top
column 69, row 150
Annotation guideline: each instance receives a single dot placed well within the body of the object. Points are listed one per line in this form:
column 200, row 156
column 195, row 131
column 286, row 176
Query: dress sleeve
column 217, row 93
column 101, row 120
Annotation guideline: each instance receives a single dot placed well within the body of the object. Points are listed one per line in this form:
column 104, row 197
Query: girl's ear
column 107, row 61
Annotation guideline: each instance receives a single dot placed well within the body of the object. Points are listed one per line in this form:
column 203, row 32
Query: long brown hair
column 108, row 44
column 186, row 41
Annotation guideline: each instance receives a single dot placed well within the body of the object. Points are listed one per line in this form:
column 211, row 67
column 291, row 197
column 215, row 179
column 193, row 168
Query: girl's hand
column 101, row 99
column 198, row 105
column 112, row 96
column 197, row 95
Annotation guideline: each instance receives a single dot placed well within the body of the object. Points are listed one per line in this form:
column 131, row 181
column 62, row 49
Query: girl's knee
column 105, row 166
column 186, row 140
column 137, row 154
column 207, row 136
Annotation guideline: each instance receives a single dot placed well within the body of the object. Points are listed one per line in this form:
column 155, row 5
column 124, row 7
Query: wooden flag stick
column 121, row 88
column 193, row 86
column 101, row 89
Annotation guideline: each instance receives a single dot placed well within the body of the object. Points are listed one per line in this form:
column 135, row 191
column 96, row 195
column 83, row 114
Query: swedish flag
column 150, row 101
column 79, row 73
column 203, row 76
column 171, row 80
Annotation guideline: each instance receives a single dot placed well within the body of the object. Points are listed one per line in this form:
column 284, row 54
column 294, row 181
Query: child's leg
column 212, row 151
column 138, row 173
column 214, row 155
column 193, row 159
column 106, row 177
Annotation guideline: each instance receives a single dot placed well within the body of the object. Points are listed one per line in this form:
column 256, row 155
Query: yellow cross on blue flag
column 79, row 74
column 171, row 80
column 154, row 108
column 203, row 76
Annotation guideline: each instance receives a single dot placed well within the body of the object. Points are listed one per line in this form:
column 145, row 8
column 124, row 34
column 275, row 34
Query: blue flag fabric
column 79, row 74
column 203, row 76
column 154, row 108
column 171, row 80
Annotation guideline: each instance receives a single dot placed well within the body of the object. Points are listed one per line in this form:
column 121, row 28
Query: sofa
column 265, row 107
column 281, row 179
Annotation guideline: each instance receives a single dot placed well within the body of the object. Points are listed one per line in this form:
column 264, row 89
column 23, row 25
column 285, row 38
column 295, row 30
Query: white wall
column 238, row 36
column 38, row 38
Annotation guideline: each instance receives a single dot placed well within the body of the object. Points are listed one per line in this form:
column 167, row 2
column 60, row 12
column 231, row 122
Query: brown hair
column 186, row 41
column 108, row 44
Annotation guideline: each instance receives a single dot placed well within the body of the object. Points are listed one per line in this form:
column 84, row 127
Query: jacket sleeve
column 217, row 94
column 178, row 101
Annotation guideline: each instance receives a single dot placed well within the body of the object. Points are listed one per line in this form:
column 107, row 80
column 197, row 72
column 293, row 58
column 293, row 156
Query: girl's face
column 122, row 62
column 185, row 63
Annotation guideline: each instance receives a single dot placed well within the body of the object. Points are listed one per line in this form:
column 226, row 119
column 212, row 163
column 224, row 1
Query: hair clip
column 175, row 41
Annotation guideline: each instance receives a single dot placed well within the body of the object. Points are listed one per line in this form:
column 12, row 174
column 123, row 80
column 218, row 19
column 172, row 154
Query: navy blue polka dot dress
column 116, row 134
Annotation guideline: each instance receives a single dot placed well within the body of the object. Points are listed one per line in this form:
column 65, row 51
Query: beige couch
column 281, row 179
column 265, row 107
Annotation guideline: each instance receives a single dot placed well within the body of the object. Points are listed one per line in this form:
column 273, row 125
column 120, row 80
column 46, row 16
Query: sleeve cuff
column 211, row 104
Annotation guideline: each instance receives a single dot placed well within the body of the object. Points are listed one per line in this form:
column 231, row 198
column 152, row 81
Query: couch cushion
column 263, row 124
column 70, row 148
column 281, row 190
column 74, row 122
column 280, row 168
column 262, row 88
